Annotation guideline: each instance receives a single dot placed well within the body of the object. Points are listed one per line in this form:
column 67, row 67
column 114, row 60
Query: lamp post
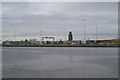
column 84, row 28
column 65, row 33
column 22, row 35
column 14, row 34
column 96, row 33
column 40, row 32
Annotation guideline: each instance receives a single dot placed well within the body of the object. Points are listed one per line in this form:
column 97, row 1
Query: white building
column 34, row 41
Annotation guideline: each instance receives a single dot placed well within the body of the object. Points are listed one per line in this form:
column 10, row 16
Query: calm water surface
column 60, row 62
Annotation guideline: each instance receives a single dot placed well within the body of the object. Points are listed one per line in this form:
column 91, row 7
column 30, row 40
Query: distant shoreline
column 85, row 45
column 62, row 46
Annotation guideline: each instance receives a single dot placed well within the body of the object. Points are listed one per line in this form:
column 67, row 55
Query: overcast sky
column 32, row 20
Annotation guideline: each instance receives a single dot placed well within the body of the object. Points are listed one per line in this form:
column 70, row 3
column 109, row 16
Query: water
column 60, row 62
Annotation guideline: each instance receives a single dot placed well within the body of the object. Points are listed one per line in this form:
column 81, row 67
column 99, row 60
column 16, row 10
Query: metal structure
column 48, row 38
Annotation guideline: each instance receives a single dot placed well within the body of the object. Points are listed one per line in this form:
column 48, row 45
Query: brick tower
column 70, row 36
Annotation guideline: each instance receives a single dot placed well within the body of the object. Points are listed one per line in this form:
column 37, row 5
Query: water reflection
column 60, row 62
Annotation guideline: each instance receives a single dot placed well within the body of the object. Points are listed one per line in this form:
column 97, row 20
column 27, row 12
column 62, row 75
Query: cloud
column 54, row 17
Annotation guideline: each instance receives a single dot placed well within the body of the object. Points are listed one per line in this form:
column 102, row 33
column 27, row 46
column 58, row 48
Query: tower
column 70, row 36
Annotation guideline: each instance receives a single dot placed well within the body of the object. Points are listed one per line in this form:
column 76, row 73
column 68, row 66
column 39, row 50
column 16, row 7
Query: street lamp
column 96, row 33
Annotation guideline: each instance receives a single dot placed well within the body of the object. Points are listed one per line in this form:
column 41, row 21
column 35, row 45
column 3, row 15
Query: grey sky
column 50, row 19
